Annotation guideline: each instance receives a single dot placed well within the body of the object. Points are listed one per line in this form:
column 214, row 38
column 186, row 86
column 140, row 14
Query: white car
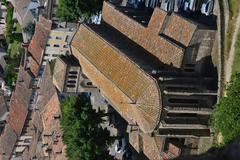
column 121, row 145
column 207, row 7
column 167, row 5
column 187, row 5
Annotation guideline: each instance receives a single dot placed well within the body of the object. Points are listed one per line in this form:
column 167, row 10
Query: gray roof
column 7, row 141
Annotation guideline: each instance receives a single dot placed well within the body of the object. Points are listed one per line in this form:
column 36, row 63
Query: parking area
column 204, row 7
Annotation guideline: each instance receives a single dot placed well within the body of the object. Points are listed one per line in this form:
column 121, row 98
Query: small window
column 47, row 45
column 58, row 38
column 54, row 55
column 65, row 46
column 73, row 72
column 56, row 45
column 71, row 86
column 71, row 81
column 73, row 77
column 89, row 83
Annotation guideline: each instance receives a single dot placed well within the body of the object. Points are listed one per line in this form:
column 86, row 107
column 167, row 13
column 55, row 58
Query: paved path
column 230, row 60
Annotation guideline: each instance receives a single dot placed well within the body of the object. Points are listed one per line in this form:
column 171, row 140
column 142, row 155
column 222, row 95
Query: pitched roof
column 134, row 93
column 59, row 74
column 22, row 9
column 19, row 102
column 3, row 107
column 161, row 35
column 151, row 146
column 7, row 141
column 38, row 42
column 47, row 89
column 180, row 29
column 18, row 109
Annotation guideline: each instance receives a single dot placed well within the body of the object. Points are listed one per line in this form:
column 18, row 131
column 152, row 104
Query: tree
column 84, row 137
column 72, row 10
column 226, row 115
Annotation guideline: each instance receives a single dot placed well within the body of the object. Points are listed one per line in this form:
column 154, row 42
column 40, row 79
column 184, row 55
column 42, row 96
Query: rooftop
column 123, row 81
column 38, row 42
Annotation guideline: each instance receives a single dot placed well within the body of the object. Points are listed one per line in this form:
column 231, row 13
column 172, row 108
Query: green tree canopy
column 72, row 10
column 226, row 115
column 83, row 135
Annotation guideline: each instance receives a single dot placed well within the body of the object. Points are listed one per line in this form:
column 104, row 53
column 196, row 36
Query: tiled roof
column 180, row 29
column 59, row 74
column 7, row 143
column 21, row 7
column 47, row 89
column 34, row 66
column 37, row 121
column 3, row 106
column 150, row 146
column 19, row 102
column 38, row 42
column 134, row 93
column 18, row 109
column 150, row 37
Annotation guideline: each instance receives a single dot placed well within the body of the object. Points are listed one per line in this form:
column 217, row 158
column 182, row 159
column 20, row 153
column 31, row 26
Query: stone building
column 155, row 68
column 68, row 76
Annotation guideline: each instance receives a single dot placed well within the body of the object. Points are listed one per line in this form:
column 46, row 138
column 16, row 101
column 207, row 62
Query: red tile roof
column 7, row 143
column 19, row 102
column 149, row 37
column 180, row 29
column 134, row 93
column 39, row 40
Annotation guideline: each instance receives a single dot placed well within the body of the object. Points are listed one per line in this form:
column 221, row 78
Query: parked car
column 167, row 5
column 207, row 7
column 187, row 5
column 121, row 145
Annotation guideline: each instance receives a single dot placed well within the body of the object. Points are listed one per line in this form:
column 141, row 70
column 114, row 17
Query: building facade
column 58, row 43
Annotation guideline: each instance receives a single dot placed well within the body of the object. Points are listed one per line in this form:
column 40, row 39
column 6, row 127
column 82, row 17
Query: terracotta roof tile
column 19, row 102
column 7, row 143
column 47, row 89
column 130, row 85
column 3, row 106
column 152, row 147
column 34, row 66
column 148, row 37
column 18, row 113
column 39, row 40
column 59, row 74
column 180, row 29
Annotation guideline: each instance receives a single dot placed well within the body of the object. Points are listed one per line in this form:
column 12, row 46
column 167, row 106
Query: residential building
column 58, row 43
column 17, row 116
column 46, row 121
column 37, row 45
column 26, row 11
column 3, row 13
column 152, row 68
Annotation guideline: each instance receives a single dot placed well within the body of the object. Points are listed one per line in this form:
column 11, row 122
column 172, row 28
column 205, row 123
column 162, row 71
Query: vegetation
column 236, row 64
column 9, row 24
column 72, row 10
column 14, row 39
column 226, row 115
column 84, row 137
column 234, row 6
